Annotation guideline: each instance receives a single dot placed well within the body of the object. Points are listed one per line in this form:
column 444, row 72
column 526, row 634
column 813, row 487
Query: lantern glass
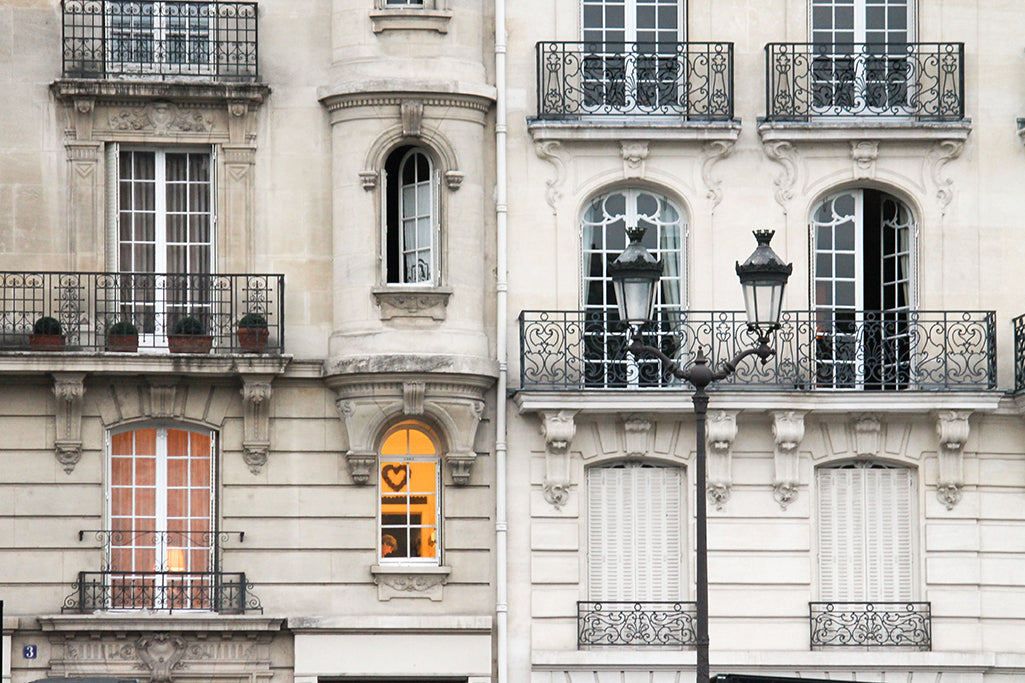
column 635, row 297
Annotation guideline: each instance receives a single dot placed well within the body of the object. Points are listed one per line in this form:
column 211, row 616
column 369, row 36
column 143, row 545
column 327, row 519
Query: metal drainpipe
column 501, row 351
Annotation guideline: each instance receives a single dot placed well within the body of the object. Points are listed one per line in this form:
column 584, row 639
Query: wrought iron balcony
column 692, row 81
column 872, row 350
column 1019, row 354
column 868, row 624
column 636, row 623
column 90, row 306
column 184, row 39
column 221, row 592
column 917, row 81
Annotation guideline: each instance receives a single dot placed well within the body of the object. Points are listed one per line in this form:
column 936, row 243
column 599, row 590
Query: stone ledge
column 145, row 620
column 656, row 129
column 847, row 130
column 366, row 624
column 203, row 91
column 414, row 19
column 212, row 365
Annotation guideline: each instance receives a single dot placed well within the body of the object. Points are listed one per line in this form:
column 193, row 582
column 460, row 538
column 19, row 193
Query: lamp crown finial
column 764, row 236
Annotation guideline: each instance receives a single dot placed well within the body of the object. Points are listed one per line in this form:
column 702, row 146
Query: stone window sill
column 412, row 19
column 403, row 301
column 410, row 581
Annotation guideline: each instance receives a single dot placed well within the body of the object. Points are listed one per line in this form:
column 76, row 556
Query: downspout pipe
column 501, row 351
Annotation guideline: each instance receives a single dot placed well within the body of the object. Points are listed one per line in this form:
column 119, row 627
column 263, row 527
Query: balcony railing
column 873, row 350
column 918, row 81
column 867, row 624
column 88, row 307
column 173, row 591
column 636, row 623
column 1019, row 354
column 693, row 81
column 160, row 40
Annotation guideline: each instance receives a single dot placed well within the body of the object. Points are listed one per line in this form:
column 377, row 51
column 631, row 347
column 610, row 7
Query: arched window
column 863, row 274
column 603, row 228
column 410, row 198
column 161, row 553
column 866, row 520
column 409, row 481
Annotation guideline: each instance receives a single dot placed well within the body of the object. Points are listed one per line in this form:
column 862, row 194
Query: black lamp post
column 763, row 276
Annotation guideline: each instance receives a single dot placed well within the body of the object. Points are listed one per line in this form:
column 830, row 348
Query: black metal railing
column 1019, row 353
column 689, row 80
column 670, row 624
column 161, row 40
column 873, row 350
column 921, row 81
column 871, row 624
column 225, row 592
column 90, row 306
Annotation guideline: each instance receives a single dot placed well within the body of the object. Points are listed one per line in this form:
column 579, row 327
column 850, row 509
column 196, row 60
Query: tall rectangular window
column 161, row 518
column 410, row 477
column 635, row 533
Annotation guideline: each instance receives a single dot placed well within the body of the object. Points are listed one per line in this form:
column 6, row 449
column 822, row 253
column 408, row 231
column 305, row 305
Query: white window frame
column 436, row 459
column 397, row 211
column 161, row 35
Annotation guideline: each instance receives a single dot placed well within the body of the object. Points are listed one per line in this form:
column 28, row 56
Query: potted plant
column 123, row 336
column 47, row 335
column 252, row 333
column 189, row 336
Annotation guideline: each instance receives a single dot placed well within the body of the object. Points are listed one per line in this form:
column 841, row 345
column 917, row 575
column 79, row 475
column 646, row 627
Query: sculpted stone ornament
column 556, row 494
column 69, row 390
column 952, row 429
column 558, row 428
column 161, row 653
column 788, row 431
column 256, row 397
column 721, row 432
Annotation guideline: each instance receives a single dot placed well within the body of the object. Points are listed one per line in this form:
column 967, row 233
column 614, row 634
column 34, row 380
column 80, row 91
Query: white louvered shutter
column 634, row 533
column 865, row 539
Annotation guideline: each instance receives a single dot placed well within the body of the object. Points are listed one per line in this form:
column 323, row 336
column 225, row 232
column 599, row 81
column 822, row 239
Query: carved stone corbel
column 463, row 417
column 549, row 150
column 412, row 114
column 721, row 430
column 360, row 462
column 413, row 397
column 256, row 396
column 162, row 395
column 368, row 180
column 453, row 180
column 952, row 429
column 788, row 431
column 713, row 152
column 558, row 428
column 784, row 154
column 161, row 653
column 69, row 389
column 634, row 153
column 867, row 433
column 863, row 155
column 636, row 436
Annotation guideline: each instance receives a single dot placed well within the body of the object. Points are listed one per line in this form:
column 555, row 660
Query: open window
column 409, row 482
column 411, row 218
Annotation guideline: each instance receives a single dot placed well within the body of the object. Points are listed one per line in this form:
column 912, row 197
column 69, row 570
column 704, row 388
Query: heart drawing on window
column 395, row 476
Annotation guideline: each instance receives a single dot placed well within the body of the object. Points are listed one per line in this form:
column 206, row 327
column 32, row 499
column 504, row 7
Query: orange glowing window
column 408, row 482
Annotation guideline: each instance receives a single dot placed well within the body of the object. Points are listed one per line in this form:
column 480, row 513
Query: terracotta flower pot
column 46, row 342
column 252, row 339
column 189, row 343
column 126, row 343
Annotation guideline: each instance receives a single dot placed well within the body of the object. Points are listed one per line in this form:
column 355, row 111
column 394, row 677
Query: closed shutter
column 635, row 533
column 865, row 539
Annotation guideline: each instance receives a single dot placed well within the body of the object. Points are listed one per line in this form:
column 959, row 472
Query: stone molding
column 788, row 432
column 720, row 432
column 350, row 96
column 410, row 581
column 712, row 153
column 416, row 19
column 366, row 407
column 953, row 429
column 69, row 390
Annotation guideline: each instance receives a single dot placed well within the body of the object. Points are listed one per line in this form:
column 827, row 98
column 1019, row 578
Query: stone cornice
column 149, row 621
column 35, row 362
column 383, row 367
column 845, row 131
column 653, row 129
column 837, row 402
column 365, row 624
column 383, row 92
column 131, row 92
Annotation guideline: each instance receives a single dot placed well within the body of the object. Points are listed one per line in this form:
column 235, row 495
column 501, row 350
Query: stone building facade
column 405, row 441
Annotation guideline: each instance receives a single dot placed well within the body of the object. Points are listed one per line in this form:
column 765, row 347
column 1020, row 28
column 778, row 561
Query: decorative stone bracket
column 69, row 389
column 788, row 431
column 256, row 396
column 366, row 409
column 721, row 430
column 952, row 429
column 409, row 582
column 558, row 428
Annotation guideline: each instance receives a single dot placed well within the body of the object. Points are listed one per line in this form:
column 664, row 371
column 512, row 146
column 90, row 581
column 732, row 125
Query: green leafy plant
column 47, row 325
column 253, row 320
column 123, row 327
column 188, row 325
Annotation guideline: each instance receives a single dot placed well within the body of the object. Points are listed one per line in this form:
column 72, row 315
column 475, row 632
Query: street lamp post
column 763, row 276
